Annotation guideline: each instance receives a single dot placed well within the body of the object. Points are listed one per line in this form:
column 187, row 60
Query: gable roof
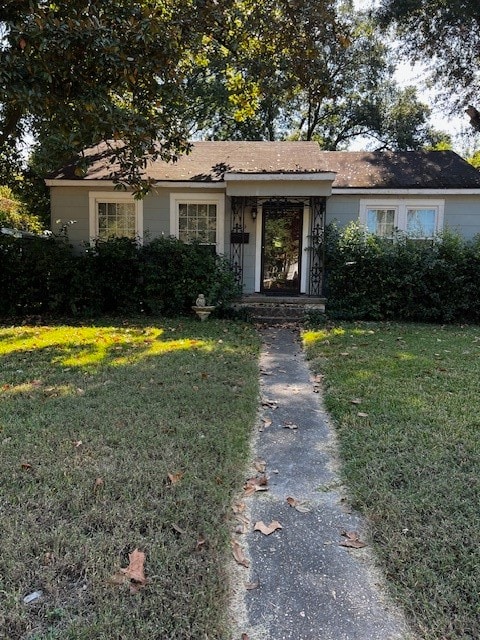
column 208, row 161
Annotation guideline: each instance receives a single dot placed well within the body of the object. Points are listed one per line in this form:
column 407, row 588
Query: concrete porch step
column 279, row 309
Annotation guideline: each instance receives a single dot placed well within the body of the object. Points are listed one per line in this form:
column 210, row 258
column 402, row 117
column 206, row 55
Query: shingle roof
column 209, row 161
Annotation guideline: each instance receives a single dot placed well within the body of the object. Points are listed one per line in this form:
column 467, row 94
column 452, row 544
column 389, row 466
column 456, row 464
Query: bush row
column 428, row 281
column 44, row 276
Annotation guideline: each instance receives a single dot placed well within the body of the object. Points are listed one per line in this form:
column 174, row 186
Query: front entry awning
column 265, row 185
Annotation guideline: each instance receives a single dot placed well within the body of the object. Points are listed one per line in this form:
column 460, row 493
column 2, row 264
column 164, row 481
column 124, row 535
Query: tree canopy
column 449, row 34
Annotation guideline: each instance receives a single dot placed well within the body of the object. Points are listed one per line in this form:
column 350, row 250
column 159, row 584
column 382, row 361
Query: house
column 265, row 204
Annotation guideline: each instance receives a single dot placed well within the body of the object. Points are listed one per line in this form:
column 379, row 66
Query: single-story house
column 265, row 204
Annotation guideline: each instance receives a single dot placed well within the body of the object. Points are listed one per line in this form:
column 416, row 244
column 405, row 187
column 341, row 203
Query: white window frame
column 176, row 199
column 99, row 197
column 401, row 206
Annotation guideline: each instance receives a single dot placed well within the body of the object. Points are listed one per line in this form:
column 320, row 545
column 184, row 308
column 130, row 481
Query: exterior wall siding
column 462, row 213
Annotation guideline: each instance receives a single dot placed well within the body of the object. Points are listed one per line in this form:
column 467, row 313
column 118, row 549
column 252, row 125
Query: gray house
column 265, row 204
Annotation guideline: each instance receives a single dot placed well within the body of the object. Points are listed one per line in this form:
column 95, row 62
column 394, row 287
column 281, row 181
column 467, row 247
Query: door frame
column 303, row 261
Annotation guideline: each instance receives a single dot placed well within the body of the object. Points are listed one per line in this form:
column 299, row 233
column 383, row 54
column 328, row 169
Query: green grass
column 93, row 419
column 412, row 463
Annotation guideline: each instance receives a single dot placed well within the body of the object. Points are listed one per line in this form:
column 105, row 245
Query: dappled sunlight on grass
column 310, row 337
column 93, row 346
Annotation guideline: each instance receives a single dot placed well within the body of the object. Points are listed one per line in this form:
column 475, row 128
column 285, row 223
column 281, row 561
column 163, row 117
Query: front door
column 281, row 248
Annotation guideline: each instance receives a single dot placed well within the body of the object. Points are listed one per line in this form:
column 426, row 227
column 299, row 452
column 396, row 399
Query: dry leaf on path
column 290, row 425
column 260, row 465
column 259, row 483
column 299, row 505
column 266, row 422
column 272, row 404
column 239, row 555
column 267, row 529
column 352, row 540
column 239, row 507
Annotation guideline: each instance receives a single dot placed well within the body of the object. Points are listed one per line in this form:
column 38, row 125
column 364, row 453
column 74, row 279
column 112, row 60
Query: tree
column 322, row 73
column 82, row 71
column 449, row 34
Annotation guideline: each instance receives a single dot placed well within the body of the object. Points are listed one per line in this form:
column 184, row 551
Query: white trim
column 405, row 192
column 58, row 182
column 400, row 205
column 180, row 197
column 258, row 248
column 297, row 177
column 303, row 255
column 96, row 197
column 167, row 184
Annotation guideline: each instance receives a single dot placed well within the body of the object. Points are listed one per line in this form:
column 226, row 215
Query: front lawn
column 118, row 437
column 406, row 403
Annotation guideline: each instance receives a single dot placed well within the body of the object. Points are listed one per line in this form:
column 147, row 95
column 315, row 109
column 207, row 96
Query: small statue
column 201, row 302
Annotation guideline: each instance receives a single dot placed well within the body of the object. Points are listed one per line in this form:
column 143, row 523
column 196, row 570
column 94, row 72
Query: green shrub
column 174, row 273
column 375, row 278
column 44, row 276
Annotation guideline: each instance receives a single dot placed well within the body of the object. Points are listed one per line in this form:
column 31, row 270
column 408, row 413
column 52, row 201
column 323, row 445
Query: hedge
column 401, row 279
column 45, row 277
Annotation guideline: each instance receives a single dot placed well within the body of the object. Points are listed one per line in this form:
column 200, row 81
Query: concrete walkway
column 306, row 586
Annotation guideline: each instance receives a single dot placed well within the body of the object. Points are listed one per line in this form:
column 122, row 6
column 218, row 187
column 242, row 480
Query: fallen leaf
column 251, row 585
column 245, row 636
column 201, row 542
column 260, row 465
column 26, row 466
column 239, row 507
column 360, row 414
column 272, row 404
column 266, row 422
column 135, row 570
column 299, row 505
column 175, row 477
column 356, row 401
column 177, row 528
column 289, row 425
column 345, row 353
column 243, row 524
column 352, row 540
column 239, row 555
column 267, row 529
column 77, row 444
column 80, row 392
column 98, row 484
column 258, row 483
column 133, row 574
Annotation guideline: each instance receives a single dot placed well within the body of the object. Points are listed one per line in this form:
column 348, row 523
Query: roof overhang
column 279, row 184
column 354, row 191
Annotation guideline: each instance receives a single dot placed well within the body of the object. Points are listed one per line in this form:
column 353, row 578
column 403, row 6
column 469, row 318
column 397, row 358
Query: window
column 197, row 222
column 417, row 219
column 115, row 216
column 198, row 218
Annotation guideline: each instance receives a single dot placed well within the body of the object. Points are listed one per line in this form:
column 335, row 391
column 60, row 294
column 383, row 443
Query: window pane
column 381, row 222
column 421, row 223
